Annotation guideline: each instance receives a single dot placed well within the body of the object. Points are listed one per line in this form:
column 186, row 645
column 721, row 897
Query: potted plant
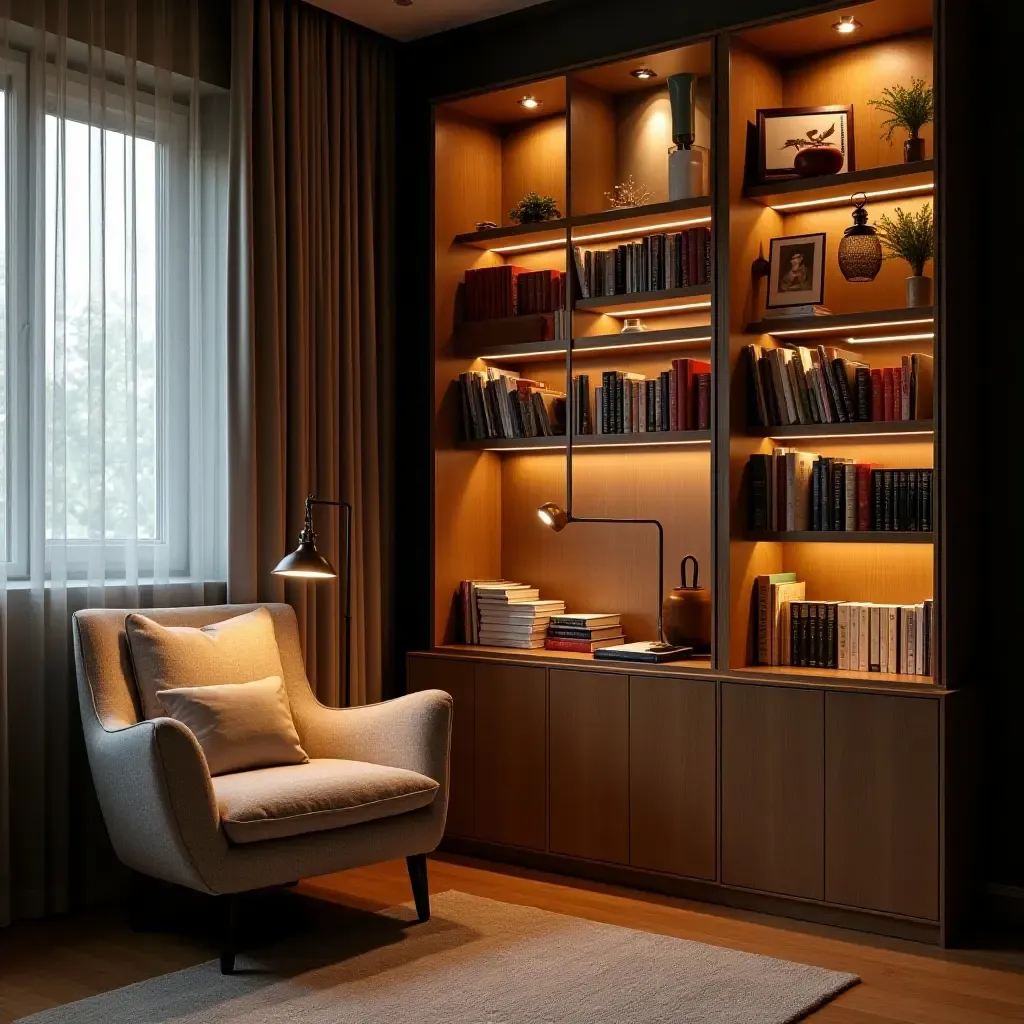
column 815, row 154
column 910, row 109
column 534, row 209
column 911, row 237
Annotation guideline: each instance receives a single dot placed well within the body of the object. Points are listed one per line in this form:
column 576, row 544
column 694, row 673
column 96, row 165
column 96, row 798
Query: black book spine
column 666, row 399
column 619, row 428
column 657, row 263
column 607, row 401
column 926, row 499
column 805, row 634
column 913, row 476
column 620, row 270
column 816, row 495
column 813, row 634
column 794, row 632
column 877, row 519
column 757, row 492
column 652, row 406
column 900, row 505
column 838, row 497
column 862, row 380
column 887, row 499
column 826, row 494
column 830, row 636
column 843, row 387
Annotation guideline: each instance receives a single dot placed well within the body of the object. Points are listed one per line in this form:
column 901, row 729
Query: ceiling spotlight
column 644, row 73
column 846, row 24
column 530, row 102
column 403, row 3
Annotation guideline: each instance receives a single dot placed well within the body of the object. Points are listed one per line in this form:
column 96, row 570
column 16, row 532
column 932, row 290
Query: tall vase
column 913, row 149
column 687, row 173
column 919, row 291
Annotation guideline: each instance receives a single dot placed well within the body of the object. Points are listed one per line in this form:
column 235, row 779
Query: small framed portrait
column 782, row 132
column 796, row 275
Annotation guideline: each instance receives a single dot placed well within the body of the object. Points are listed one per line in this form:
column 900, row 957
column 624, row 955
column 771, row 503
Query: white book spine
column 873, row 638
column 865, row 621
column 883, row 639
column 853, row 635
column 912, row 641
column 843, row 644
column 894, row 638
column 903, row 640
column 919, row 647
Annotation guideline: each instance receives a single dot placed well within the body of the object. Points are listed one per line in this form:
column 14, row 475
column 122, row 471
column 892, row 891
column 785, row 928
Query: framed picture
column 779, row 126
column 796, row 275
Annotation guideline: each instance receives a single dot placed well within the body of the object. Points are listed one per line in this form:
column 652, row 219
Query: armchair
column 376, row 786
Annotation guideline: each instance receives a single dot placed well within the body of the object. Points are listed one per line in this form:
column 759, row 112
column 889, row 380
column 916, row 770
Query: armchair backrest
column 106, row 681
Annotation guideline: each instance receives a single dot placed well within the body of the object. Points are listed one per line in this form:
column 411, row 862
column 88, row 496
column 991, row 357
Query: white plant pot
column 687, row 173
column 919, row 291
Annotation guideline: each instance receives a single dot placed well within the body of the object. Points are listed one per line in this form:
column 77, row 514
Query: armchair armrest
column 411, row 732
column 157, row 800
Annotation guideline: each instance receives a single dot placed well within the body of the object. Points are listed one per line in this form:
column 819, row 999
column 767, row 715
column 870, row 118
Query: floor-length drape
column 310, row 366
column 112, row 369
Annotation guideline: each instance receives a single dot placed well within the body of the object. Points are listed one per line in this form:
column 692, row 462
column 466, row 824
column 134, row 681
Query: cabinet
column 457, row 679
column 773, row 789
column 882, row 803
column 510, row 745
column 672, row 769
column 590, row 765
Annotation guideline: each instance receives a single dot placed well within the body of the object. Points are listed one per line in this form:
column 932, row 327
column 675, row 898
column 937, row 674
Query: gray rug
column 476, row 962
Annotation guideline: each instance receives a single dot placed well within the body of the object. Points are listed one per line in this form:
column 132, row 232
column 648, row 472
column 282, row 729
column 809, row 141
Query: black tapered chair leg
column 229, row 941
column 420, row 889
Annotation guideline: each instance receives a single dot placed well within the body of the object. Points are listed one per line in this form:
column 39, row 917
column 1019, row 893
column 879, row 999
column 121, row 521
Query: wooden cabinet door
column 882, row 803
column 511, row 755
column 589, row 749
column 773, row 789
column 455, row 678
column 672, row 769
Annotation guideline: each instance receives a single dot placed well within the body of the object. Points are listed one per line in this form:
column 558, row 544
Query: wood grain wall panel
column 457, row 679
column 856, row 75
column 511, row 755
column 672, row 776
column 589, row 765
column 533, row 160
column 882, row 803
column 773, row 789
column 607, row 567
column 592, row 133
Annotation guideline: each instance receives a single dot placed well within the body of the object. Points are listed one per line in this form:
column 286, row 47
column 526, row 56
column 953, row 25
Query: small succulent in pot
column 534, row 209
column 815, row 153
column 910, row 109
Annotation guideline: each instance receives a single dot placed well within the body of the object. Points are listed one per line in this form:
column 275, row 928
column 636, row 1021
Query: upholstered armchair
column 375, row 787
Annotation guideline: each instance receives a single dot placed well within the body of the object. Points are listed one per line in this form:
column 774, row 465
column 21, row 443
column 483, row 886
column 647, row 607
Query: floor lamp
column 558, row 519
column 305, row 562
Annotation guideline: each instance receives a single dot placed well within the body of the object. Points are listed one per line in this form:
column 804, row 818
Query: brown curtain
column 310, row 363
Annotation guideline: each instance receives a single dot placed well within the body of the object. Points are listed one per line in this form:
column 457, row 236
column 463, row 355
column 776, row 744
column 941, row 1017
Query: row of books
column 584, row 632
column 790, row 490
column 655, row 263
column 503, row 613
column 679, row 398
column 828, row 385
column 495, row 292
column 856, row 636
column 497, row 405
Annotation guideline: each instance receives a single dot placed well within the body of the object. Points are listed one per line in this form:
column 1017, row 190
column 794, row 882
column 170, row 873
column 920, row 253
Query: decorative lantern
column 860, row 252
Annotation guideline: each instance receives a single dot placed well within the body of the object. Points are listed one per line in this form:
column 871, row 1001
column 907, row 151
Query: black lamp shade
column 860, row 251
column 305, row 562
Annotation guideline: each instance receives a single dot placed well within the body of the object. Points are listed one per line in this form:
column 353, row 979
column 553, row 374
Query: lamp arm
column 661, row 552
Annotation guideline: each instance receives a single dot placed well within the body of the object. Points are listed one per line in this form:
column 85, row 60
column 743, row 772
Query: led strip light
column 885, row 193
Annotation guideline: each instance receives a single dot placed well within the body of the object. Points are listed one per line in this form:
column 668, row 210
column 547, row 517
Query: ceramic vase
column 919, row 291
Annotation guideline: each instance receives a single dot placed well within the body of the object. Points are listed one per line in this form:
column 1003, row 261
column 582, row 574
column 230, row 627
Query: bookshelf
column 596, row 125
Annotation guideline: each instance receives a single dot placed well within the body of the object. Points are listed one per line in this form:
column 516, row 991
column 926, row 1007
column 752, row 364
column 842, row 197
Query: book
column 644, row 651
column 781, row 597
column 794, row 311
column 765, row 618
column 583, row 646
column 596, row 633
column 584, row 620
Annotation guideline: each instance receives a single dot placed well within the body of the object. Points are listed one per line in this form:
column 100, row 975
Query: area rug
column 476, row 961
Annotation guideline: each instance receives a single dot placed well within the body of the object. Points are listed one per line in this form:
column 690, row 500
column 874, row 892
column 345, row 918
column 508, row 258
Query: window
column 112, row 427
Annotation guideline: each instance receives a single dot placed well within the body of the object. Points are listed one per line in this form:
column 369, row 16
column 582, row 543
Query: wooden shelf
column 845, row 537
column 669, row 338
column 517, row 238
column 668, row 300
column 693, row 666
column 655, row 439
column 825, row 676
column 493, row 339
column 891, row 429
column 879, row 183
column 879, row 322
column 640, row 219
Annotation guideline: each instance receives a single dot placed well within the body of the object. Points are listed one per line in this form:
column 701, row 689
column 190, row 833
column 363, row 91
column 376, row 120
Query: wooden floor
column 43, row 964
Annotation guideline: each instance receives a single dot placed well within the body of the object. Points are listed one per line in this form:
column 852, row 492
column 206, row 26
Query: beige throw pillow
column 238, row 725
column 236, row 650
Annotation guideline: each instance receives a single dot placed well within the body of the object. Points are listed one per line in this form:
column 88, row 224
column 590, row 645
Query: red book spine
column 863, row 496
column 703, row 401
column 887, row 393
column 679, row 378
column 577, row 646
column 692, row 367
column 897, row 393
column 673, row 400
column 877, row 403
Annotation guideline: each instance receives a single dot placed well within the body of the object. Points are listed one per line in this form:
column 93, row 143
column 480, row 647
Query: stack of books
column 498, row 292
column 503, row 613
column 496, row 404
column 584, row 632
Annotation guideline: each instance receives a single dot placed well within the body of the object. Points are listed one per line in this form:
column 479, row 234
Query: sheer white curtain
column 112, row 352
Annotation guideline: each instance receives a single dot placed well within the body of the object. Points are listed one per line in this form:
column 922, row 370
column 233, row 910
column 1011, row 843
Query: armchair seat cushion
column 325, row 793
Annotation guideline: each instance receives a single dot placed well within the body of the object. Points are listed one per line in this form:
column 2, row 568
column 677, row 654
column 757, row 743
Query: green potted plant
column 534, row 209
column 911, row 237
column 910, row 109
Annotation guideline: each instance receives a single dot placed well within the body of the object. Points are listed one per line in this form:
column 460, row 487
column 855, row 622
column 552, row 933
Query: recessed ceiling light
column 530, row 102
column 644, row 73
column 846, row 24
column 403, row 3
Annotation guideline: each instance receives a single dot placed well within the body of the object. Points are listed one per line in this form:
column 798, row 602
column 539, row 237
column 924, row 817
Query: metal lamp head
column 305, row 562
column 553, row 516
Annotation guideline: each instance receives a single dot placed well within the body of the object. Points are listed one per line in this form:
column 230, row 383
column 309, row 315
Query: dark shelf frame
column 654, row 439
column 878, row 430
column 835, row 323
column 839, row 187
column 612, row 304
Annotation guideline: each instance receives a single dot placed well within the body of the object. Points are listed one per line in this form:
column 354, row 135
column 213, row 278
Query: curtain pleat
column 312, row 102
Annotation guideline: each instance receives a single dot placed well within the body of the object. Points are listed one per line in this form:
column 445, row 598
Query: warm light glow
column 545, row 517
column 551, row 243
column 846, row 24
column 685, row 308
column 903, row 190
column 644, row 344
column 530, row 102
column 847, row 437
column 304, row 574
column 521, row 356
column 580, row 446
column 891, row 337
column 644, row 73
column 833, row 329
column 644, row 230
